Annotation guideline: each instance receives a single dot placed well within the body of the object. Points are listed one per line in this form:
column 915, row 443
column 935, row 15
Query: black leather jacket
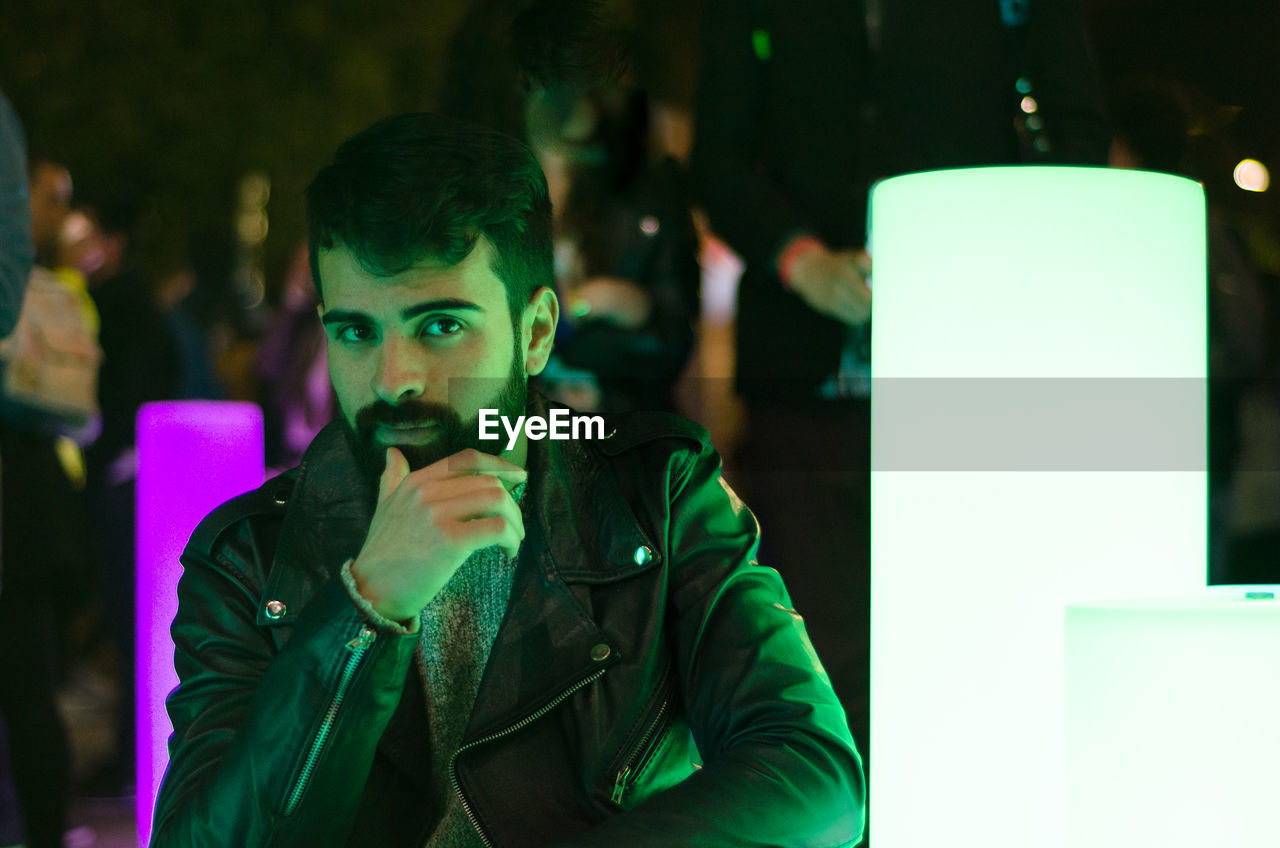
column 639, row 626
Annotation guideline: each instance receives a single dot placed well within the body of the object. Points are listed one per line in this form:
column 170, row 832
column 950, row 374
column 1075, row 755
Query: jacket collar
column 326, row 521
column 588, row 526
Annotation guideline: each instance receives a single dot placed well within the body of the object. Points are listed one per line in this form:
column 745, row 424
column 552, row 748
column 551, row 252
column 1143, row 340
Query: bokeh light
column 1252, row 175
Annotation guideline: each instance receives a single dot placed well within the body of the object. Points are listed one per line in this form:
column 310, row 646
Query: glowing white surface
column 987, row 282
column 1171, row 708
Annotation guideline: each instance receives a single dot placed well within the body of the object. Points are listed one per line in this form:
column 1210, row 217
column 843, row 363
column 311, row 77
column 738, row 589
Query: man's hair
column 423, row 186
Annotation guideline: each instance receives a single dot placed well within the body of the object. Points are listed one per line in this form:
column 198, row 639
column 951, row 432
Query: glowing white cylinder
column 1171, row 711
column 1038, row 438
column 192, row 456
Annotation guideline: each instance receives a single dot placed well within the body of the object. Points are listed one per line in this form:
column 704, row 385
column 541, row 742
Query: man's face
column 50, row 189
column 414, row 357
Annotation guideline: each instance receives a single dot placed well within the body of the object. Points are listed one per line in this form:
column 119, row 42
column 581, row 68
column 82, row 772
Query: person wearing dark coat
column 801, row 107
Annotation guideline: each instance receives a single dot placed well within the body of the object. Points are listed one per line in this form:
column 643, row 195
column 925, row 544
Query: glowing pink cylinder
column 192, row 456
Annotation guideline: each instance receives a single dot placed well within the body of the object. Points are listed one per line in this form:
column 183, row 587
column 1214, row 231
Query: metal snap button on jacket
column 600, row 652
column 275, row 609
column 643, row 554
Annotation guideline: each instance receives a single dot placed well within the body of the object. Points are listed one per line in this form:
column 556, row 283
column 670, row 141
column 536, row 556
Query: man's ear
column 538, row 329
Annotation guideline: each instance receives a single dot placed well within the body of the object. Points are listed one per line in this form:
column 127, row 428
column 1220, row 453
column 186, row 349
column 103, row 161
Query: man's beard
column 452, row 434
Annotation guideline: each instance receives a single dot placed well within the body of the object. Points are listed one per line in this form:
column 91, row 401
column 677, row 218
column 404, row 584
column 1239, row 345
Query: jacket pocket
column 631, row 768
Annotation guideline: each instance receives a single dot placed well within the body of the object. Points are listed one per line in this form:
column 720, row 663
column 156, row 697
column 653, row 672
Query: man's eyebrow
column 346, row 316
column 440, row 303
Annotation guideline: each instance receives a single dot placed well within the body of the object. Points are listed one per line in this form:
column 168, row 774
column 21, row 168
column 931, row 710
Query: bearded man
column 421, row 637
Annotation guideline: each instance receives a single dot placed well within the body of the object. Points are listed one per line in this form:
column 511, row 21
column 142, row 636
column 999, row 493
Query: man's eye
column 441, row 327
column 355, row 333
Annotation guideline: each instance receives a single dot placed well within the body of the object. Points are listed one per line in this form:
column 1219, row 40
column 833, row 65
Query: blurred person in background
column 200, row 305
column 556, row 73
column 626, row 248
column 16, row 257
column 80, row 246
column 140, row 364
column 16, row 250
column 800, row 107
column 293, row 377
column 49, row 400
column 49, row 187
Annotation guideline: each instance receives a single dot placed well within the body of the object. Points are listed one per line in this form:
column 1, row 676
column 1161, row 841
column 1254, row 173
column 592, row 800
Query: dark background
column 1225, row 56
column 182, row 99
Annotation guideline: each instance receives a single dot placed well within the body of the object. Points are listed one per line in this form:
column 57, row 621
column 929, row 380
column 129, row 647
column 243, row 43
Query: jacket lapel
column 324, row 525
column 543, row 647
column 579, row 529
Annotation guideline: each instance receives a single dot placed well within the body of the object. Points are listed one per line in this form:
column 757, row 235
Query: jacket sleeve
column 270, row 747
column 780, row 766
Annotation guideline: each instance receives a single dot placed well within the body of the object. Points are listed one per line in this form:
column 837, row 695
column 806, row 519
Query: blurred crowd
column 798, row 111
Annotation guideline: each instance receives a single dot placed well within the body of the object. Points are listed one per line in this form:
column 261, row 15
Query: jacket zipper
column 529, row 719
column 358, row 647
column 637, row 761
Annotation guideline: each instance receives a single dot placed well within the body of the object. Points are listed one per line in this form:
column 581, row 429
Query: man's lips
column 415, row 433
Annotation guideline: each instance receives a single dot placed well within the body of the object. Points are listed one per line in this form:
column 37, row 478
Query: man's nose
column 401, row 373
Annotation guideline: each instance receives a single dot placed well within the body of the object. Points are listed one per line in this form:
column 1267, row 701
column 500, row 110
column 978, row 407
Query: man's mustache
column 411, row 413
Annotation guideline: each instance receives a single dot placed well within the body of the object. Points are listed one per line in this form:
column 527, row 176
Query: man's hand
column 429, row 521
column 834, row 283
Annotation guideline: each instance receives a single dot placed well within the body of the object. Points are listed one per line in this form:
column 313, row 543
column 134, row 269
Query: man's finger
column 474, row 504
column 397, row 468
column 513, row 535
column 471, row 461
column 496, row 530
